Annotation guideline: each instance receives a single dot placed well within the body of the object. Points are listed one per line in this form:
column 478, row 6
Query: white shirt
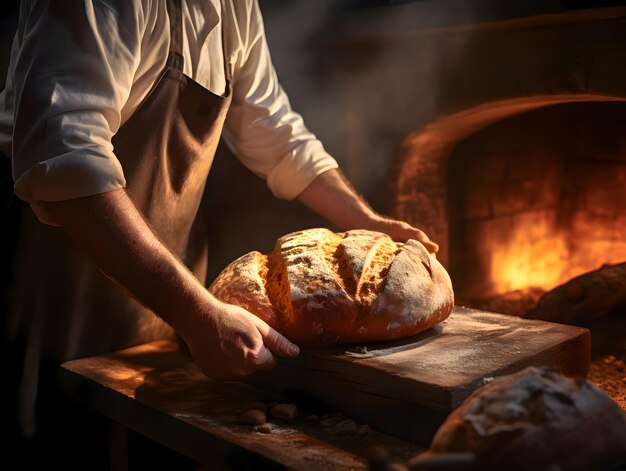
column 80, row 68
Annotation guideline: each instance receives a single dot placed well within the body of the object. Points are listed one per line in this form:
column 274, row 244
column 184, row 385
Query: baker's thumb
column 279, row 345
column 265, row 360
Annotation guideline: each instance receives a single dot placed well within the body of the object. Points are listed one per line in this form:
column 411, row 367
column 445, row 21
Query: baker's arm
column 271, row 140
column 331, row 196
column 227, row 342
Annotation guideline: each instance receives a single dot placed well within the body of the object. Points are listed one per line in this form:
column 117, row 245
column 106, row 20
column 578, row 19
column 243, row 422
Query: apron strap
column 226, row 48
column 174, row 10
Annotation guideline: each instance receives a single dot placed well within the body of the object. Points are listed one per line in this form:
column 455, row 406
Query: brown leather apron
column 63, row 307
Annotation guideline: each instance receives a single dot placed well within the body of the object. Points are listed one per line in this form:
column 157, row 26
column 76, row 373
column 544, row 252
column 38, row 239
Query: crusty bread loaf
column 317, row 287
column 534, row 419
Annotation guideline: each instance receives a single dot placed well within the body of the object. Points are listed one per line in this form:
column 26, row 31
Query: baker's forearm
column 226, row 341
column 331, row 196
column 114, row 233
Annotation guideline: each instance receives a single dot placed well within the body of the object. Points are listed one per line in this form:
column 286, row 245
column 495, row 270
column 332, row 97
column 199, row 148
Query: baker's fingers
column 277, row 343
column 264, row 360
column 402, row 231
column 429, row 244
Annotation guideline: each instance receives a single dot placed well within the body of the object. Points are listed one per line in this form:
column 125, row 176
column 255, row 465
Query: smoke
column 364, row 78
column 365, row 74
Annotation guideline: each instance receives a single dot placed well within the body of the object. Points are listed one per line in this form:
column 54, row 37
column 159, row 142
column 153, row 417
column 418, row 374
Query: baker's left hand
column 331, row 196
column 401, row 231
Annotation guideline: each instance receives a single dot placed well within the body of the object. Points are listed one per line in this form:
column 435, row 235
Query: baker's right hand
column 229, row 343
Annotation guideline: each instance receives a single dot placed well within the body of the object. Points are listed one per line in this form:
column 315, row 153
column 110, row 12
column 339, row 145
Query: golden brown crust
column 322, row 309
column 249, row 274
column 320, row 288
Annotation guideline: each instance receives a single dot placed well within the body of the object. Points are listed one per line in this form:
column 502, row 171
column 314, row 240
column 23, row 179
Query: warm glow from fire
column 538, row 255
column 521, row 263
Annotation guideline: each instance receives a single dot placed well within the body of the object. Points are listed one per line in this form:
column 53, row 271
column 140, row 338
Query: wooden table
column 156, row 391
column 405, row 388
column 408, row 387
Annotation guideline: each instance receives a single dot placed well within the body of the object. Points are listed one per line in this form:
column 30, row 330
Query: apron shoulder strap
column 174, row 10
column 226, row 47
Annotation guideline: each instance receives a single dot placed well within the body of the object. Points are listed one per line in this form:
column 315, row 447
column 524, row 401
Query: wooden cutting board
column 407, row 388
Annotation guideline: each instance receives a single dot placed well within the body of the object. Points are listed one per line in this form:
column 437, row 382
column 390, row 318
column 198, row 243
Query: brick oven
column 526, row 202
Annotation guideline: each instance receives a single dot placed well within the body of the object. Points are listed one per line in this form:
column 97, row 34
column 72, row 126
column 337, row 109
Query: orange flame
column 523, row 263
column 538, row 255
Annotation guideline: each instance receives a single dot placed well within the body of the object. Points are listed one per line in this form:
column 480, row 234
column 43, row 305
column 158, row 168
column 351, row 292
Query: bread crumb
column 360, row 349
column 253, row 417
column 330, row 421
column 284, row 411
column 364, row 429
column 346, row 425
column 264, row 428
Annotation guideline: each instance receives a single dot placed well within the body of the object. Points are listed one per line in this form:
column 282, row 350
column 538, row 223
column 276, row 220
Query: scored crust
column 318, row 287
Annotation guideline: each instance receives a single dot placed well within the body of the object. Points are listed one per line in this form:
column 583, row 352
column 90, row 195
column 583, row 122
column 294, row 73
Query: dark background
column 241, row 212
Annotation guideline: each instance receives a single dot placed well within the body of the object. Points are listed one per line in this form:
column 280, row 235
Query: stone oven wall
column 537, row 199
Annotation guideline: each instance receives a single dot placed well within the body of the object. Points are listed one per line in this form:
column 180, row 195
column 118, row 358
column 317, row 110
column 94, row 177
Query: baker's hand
column 401, row 231
column 230, row 343
column 330, row 195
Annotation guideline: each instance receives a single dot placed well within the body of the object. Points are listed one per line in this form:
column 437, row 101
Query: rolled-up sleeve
column 72, row 77
column 263, row 131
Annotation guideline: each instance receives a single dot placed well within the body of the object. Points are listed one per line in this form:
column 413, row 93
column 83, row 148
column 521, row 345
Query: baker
column 111, row 114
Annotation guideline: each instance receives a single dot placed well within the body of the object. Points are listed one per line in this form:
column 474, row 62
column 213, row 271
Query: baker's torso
column 63, row 305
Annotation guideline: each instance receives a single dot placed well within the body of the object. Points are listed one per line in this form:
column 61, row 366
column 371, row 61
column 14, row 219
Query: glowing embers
column 532, row 250
column 530, row 255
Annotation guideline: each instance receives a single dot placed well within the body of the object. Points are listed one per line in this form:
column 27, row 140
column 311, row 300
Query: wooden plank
column 407, row 388
column 157, row 391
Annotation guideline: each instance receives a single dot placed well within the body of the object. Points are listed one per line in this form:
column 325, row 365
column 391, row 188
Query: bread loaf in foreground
column 535, row 419
column 318, row 287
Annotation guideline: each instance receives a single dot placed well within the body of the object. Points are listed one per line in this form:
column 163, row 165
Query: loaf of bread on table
column 318, row 287
column 534, row 419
